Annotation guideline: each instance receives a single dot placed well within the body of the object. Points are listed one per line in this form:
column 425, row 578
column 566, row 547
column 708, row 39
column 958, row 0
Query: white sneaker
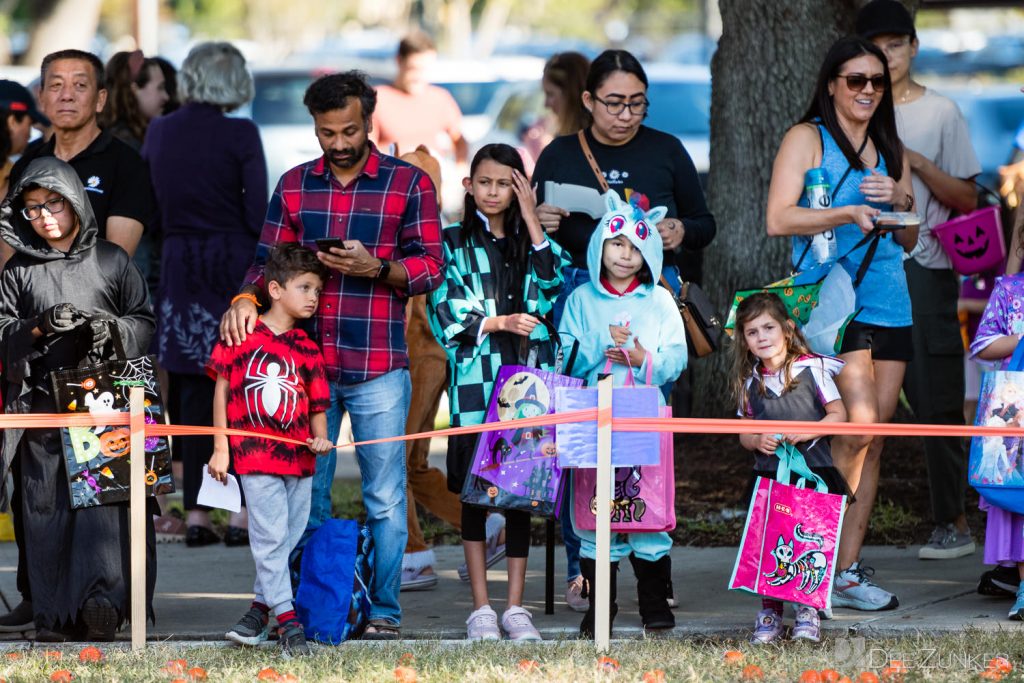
column 574, row 595
column 518, row 624
column 853, row 588
column 482, row 624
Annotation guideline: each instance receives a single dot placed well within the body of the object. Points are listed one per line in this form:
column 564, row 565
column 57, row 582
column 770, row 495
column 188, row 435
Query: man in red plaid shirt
column 383, row 213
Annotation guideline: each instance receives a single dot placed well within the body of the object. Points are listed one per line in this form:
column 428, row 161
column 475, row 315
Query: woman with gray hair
column 210, row 179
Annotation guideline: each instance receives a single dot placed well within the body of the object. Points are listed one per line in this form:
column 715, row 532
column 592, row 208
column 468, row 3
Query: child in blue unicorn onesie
column 623, row 317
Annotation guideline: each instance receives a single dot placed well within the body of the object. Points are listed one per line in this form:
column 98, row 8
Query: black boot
column 589, row 568
column 652, row 593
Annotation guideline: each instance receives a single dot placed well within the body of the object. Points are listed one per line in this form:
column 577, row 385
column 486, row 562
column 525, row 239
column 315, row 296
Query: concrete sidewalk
column 202, row 591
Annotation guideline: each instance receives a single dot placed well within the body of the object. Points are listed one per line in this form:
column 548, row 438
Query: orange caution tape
column 685, row 425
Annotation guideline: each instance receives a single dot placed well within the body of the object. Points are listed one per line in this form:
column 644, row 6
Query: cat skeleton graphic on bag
column 811, row 567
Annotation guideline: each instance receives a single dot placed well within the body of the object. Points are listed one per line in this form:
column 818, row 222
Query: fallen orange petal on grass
column 991, row 675
column 752, row 672
column 732, row 657
column 52, row 654
column 1000, row 664
column 62, row 676
column 90, row 654
column 197, row 673
column 867, row 677
column 810, row 676
column 654, row 676
column 13, row 655
column 268, row 674
column 405, row 674
column 608, row 663
column 288, row 678
column 528, row 665
column 830, row 675
column 174, row 666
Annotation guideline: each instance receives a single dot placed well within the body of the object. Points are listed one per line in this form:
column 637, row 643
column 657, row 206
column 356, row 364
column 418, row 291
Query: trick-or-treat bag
column 517, row 468
column 996, row 469
column 643, row 497
column 791, row 538
column 98, row 459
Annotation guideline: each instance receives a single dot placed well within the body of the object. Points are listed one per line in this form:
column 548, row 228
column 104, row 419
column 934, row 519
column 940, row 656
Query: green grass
column 950, row 658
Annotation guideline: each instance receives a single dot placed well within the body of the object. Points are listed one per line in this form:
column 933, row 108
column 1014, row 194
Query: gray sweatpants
column 278, row 511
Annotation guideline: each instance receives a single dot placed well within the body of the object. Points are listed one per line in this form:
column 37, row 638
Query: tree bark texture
column 762, row 76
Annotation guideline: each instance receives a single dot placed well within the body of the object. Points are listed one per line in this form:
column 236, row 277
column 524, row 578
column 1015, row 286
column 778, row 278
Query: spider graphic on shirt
column 270, row 387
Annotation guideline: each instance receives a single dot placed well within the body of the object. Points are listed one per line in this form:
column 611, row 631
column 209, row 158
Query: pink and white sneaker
column 518, row 624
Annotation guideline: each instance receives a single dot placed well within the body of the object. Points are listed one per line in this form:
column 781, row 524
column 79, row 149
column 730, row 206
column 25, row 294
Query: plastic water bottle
column 817, row 191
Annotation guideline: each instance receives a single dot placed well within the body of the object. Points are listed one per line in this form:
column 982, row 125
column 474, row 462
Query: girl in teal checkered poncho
column 502, row 275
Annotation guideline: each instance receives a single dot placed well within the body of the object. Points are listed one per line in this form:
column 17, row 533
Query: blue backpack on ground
column 333, row 600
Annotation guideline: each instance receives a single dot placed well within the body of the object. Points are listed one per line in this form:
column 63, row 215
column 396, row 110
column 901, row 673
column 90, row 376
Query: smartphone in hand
column 324, row 244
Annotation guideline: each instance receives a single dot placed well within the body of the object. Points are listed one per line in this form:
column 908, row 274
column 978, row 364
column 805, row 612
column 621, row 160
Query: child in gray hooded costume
column 61, row 282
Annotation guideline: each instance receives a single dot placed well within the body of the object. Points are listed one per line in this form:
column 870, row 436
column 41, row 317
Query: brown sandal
column 382, row 629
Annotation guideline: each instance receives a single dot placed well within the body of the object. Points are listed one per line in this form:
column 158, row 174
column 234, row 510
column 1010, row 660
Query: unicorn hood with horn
column 647, row 309
column 637, row 223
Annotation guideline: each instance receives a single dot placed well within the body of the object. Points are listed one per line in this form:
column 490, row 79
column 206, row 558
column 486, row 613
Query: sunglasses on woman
column 857, row 82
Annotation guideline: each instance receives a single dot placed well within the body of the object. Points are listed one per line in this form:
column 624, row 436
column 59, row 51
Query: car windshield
column 680, row 108
column 472, row 98
column 278, row 100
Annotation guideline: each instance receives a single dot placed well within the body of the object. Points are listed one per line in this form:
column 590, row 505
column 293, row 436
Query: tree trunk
column 763, row 74
column 62, row 24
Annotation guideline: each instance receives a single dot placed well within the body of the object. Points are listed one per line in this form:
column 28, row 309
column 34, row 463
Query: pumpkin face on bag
column 970, row 242
column 115, row 443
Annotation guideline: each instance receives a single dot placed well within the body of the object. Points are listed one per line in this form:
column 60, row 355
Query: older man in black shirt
column 115, row 176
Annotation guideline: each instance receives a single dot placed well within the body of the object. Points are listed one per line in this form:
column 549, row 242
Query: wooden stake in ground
column 137, row 508
column 603, row 531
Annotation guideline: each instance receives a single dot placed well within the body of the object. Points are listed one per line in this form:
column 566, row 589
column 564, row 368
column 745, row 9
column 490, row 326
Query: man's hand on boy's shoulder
column 320, row 445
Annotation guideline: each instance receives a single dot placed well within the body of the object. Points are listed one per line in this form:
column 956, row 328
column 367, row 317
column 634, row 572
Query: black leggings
column 517, row 529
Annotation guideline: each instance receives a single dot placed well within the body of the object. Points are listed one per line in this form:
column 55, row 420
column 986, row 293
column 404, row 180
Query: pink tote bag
column 644, row 498
column 791, row 538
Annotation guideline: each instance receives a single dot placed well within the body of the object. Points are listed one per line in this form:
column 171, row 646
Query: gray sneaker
column 947, row 543
column 250, row 630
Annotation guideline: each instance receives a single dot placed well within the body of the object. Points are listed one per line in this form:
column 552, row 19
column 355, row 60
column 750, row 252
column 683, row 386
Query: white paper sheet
column 217, row 495
column 575, row 198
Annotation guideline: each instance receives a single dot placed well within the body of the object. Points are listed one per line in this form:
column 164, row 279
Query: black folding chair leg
column 549, row 569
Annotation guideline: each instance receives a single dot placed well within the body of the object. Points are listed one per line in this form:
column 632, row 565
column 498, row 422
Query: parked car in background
column 680, row 98
column 994, row 114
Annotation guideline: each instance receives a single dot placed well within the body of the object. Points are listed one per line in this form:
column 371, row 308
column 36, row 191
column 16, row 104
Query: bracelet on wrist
column 248, row 297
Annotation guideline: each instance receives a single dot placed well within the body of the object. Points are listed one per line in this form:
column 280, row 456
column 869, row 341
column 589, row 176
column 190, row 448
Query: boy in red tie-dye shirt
column 274, row 383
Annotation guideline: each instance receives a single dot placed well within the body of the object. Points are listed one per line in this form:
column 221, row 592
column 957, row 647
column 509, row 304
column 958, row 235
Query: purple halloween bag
column 517, row 469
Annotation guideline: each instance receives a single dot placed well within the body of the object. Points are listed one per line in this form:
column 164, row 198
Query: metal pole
column 137, row 513
column 603, row 540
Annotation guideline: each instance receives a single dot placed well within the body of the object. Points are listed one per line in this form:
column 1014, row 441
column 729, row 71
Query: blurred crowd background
column 492, row 52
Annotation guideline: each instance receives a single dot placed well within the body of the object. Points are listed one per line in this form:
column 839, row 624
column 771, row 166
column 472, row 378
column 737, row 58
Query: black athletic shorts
column 886, row 343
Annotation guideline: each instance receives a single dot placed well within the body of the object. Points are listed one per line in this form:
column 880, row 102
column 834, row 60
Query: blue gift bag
column 996, row 469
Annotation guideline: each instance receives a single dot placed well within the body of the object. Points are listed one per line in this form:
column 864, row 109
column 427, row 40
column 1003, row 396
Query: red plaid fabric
column 274, row 383
column 391, row 207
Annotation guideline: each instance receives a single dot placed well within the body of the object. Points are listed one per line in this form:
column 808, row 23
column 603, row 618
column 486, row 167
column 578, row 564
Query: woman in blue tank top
column 850, row 131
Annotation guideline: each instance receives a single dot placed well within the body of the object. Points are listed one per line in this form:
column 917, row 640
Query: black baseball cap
column 16, row 98
column 880, row 17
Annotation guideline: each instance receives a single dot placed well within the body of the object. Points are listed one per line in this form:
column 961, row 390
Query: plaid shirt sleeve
column 420, row 238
